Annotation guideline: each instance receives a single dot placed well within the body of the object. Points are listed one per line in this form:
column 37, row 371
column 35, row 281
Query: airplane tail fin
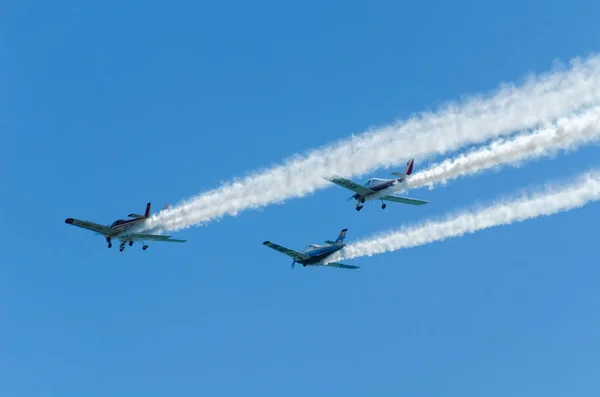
column 138, row 216
column 409, row 166
column 340, row 239
column 408, row 171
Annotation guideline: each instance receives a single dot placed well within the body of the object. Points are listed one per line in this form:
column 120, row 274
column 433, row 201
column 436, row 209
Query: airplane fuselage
column 381, row 188
column 319, row 253
column 123, row 227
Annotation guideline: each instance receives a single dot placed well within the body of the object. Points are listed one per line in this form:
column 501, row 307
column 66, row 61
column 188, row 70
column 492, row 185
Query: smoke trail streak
column 567, row 133
column 548, row 202
column 540, row 99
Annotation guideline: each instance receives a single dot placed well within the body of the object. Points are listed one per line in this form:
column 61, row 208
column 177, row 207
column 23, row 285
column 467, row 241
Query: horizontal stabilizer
column 138, row 216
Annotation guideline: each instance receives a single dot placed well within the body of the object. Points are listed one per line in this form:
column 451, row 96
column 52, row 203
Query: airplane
column 313, row 254
column 379, row 189
column 123, row 230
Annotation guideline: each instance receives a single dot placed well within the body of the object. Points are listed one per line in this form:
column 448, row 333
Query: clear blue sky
column 106, row 106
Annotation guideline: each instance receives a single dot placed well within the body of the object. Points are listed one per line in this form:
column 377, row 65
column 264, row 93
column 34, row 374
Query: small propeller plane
column 313, row 254
column 379, row 189
column 122, row 229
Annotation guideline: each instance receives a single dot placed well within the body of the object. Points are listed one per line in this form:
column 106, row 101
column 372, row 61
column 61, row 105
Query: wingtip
column 266, row 242
column 69, row 221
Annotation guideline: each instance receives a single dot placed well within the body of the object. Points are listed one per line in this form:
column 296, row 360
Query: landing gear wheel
column 130, row 243
column 359, row 208
column 383, row 206
column 145, row 247
column 109, row 245
column 121, row 249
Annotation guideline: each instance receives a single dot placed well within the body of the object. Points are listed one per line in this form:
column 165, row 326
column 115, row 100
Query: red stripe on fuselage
column 126, row 224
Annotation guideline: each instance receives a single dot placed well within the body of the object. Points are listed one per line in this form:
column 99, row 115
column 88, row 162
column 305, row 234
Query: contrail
column 548, row 202
column 540, row 99
column 567, row 133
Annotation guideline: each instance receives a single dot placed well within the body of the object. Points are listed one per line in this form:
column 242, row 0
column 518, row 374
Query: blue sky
column 104, row 107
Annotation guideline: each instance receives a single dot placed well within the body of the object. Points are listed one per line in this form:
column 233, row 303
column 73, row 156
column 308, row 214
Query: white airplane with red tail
column 124, row 230
column 380, row 189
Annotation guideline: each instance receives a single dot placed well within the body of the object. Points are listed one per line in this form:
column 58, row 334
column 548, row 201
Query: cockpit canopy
column 372, row 181
column 311, row 247
column 117, row 222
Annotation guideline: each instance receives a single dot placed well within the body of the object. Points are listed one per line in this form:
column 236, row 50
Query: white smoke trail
column 548, row 202
column 567, row 133
column 540, row 99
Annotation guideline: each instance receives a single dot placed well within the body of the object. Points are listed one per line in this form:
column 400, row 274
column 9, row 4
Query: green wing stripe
column 154, row 237
column 342, row 266
column 405, row 200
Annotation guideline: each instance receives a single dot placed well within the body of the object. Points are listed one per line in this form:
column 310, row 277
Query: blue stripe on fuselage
column 318, row 253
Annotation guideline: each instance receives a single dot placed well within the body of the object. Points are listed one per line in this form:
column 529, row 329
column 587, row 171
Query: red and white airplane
column 124, row 230
column 380, row 189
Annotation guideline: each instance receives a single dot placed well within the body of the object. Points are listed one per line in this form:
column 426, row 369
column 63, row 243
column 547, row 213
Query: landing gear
column 130, row 243
column 382, row 205
column 360, row 202
column 122, row 246
column 109, row 245
column 108, row 241
column 145, row 247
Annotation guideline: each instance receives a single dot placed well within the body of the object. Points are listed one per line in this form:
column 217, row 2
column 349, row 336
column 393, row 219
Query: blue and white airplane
column 379, row 189
column 313, row 254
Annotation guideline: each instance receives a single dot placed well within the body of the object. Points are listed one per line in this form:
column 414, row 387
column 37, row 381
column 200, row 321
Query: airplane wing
column 105, row 230
column 348, row 184
column 342, row 266
column 155, row 237
column 294, row 254
column 404, row 200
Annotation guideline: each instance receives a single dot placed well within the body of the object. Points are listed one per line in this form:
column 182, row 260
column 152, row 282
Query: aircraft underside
column 123, row 242
column 361, row 200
